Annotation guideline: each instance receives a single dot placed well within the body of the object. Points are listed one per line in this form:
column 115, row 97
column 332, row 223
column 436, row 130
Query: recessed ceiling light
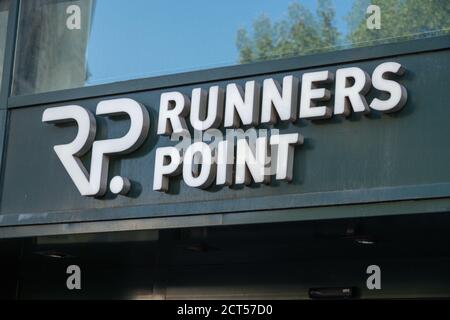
column 200, row 247
column 365, row 241
column 54, row 254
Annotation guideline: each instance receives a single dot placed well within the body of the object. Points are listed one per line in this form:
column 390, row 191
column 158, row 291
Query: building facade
column 276, row 150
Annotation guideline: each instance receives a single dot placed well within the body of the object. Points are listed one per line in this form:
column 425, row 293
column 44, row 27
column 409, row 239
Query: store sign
column 323, row 136
column 222, row 157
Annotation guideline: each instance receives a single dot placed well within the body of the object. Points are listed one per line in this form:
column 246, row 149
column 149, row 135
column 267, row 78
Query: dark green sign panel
column 369, row 158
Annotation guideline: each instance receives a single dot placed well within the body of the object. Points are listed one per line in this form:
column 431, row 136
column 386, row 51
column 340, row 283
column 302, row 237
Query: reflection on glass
column 112, row 40
column 338, row 24
column 4, row 5
column 50, row 54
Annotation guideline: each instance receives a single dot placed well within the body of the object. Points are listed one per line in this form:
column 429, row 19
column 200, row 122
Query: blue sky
column 152, row 37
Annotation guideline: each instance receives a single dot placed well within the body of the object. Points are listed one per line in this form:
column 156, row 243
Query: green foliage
column 303, row 32
column 400, row 20
column 326, row 15
column 300, row 33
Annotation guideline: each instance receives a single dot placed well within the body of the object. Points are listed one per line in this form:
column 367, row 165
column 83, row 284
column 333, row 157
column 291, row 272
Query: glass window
column 66, row 44
column 4, row 5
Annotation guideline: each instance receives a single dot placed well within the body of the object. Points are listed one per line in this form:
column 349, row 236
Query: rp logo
column 94, row 183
